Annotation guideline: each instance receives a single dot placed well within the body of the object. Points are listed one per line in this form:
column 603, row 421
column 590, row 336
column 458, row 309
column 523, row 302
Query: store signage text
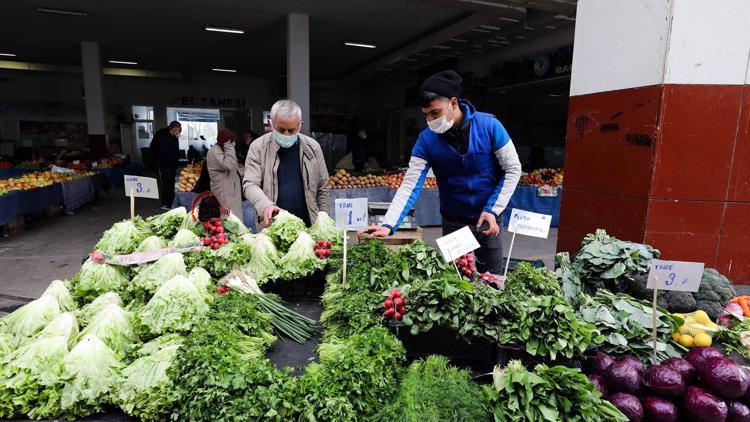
column 235, row 103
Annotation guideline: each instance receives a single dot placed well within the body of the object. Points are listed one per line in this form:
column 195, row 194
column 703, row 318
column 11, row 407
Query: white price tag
column 143, row 187
column 76, row 162
column 351, row 214
column 675, row 275
column 457, row 244
column 529, row 223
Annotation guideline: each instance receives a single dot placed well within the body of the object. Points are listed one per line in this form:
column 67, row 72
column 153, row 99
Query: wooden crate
column 401, row 238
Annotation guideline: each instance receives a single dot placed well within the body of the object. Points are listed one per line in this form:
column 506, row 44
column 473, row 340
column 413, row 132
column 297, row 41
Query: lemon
column 695, row 331
column 676, row 336
column 684, row 330
column 701, row 317
column 690, row 320
column 702, row 339
column 686, row 340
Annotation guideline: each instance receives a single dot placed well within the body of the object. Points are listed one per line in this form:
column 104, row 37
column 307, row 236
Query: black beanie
column 446, row 83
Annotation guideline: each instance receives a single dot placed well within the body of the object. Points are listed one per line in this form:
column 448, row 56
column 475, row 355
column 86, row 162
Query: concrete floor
column 50, row 249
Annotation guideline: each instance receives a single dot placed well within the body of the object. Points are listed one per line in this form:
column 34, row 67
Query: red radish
column 329, row 253
column 463, row 262
column 397, row 316
column 398, row 302
column 329, row 244
column 396, row 293
column 389, row 312
column 222, row 290
column 388, row 303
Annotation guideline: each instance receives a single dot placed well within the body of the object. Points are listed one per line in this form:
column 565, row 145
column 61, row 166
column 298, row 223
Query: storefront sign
column 142, row 187
column 351, row 213
column 226, row 103
column 529, row 223
column 675, row 275
column 547, row 191
column 457, row 244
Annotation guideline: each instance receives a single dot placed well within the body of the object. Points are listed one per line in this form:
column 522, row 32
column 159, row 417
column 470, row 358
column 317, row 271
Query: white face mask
column 441, row 124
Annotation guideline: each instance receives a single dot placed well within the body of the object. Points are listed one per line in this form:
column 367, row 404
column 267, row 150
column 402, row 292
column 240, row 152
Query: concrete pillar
column 92, row 85
column 92, row 88
column 658, row 138
column 298, row 64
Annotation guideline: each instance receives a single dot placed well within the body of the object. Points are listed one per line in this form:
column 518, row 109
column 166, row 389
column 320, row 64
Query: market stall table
column 185, row 199
column 21, row 202
column 78, row 192
column 427, row 207
column 116, row 175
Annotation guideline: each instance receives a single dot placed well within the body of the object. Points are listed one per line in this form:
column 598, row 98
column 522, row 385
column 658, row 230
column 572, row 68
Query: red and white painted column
column 658, row 137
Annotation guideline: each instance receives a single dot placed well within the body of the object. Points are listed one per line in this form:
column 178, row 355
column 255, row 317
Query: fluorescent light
column 494, row 28
column 8, row 54
column 528, row 28
column 509, row 19
column 565, row 18
column 484, row 31
column 504, row 42
column 493, row 41
column 227, row 30
column 555, row 95
column 61, row 12
column 458, row 40
column 441, row 47
column 500, row 37
column 215, row 69
column 360, row 45
column 550, row 26
column 520, row 37
column 122, row 62
column 493, row 4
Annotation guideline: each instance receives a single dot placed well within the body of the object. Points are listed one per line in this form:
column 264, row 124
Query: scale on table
column 377, row 215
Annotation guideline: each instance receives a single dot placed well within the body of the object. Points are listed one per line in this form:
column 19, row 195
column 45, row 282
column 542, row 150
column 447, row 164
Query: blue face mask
column 284, row 141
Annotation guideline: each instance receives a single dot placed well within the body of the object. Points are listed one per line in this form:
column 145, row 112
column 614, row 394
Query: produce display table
column 78, row 192
column 70, row 194
column 21, row 202
column 185, row 199
column 427, row 207
column 116, row 175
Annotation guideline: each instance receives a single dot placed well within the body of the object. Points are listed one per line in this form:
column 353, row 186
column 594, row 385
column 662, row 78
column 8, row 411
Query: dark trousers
column 489, row 256
column 166, row 177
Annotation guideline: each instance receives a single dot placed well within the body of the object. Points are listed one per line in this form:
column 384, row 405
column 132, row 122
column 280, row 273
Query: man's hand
column 377, row 231
column 490, row 218
column 269, row 213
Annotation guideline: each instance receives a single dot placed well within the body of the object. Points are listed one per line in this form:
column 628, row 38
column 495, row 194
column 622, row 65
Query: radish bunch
column 489, row 279
column 216, row 235
column 466, row 265
column 395, row 305
column 323, row 249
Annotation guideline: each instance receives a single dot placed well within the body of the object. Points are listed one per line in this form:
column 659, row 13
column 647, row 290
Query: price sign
column 457, row 244
column 351, row 213
column 143, row 187
column 546, row 191
column 529, row 223
column 675, row 275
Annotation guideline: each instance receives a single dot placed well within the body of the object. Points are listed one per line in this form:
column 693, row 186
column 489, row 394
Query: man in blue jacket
column 475, row 163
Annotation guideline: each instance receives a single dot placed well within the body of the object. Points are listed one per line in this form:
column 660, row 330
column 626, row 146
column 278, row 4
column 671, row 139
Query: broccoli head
column 715, row 288
column 677, row 301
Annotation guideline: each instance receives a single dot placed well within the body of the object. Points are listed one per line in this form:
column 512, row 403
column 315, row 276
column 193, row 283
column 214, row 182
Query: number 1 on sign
column 350, row 218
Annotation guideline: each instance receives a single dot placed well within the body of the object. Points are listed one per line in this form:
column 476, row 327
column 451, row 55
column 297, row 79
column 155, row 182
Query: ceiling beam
column 451, row 31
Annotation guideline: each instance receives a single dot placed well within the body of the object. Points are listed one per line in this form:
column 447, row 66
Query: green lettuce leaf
column 284, row 230
column 300, row 261
column 124, row 237
column 113, row 325
column 176, row 307
column 59, row 291
column 166, row 224
column 151, row 243
column 95, row 279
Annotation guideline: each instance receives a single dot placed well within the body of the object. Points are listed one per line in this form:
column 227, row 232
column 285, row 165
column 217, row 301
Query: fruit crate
column 477, row 355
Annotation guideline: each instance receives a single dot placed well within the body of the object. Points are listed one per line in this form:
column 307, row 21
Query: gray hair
column 286, row 108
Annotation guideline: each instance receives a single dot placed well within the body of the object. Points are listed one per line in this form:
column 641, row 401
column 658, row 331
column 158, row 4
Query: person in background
column 285, row 170
column 474, row 161
column 165, row 146
column 224, row 172
column 360, row 150
column 242, row 147
column 537, row 157
column 193, row 155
